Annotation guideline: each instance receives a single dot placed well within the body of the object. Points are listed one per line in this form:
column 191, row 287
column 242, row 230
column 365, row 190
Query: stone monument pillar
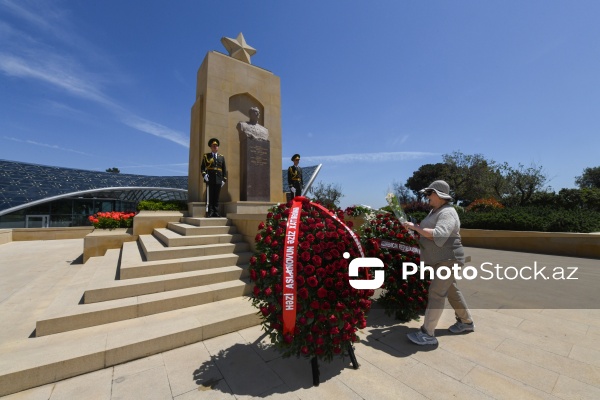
column 228, row 86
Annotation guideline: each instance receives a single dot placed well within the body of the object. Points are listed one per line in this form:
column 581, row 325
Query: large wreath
column 384, row 237
column 328, row 310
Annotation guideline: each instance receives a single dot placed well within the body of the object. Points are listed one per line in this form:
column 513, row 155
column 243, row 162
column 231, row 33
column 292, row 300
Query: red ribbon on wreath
column 290, row 251
column 290, row 254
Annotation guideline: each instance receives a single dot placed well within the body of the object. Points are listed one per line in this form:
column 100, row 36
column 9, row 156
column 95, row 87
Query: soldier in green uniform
column 295, row 181
column 214, row 173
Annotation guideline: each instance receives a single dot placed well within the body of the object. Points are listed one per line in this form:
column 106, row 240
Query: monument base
column 198, row 209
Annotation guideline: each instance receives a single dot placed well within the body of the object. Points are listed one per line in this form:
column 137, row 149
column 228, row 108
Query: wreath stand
column 314, row 362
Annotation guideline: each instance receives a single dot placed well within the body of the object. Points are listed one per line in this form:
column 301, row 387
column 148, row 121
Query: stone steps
column 118, row 289
column 133, row 264
column 174, row 239
column 155, row 250
column 86, row 315
column 187, row 229
column 41, row 360
column 177, row 286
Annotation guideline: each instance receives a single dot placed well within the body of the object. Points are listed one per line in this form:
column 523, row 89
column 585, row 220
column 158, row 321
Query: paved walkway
column 517, row 352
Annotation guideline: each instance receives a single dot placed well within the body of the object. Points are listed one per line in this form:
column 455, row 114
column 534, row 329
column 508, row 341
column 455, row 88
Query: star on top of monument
column 238, row 48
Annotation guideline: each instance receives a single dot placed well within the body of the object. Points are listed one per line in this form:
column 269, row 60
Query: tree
column 469, row 176
column 590, row 178
column 403, row 193
column 327, row 194
column 521, row 183
column 426, row 174
column 113, row 170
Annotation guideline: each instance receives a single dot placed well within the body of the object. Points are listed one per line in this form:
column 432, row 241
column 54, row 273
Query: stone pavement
column 516, row 352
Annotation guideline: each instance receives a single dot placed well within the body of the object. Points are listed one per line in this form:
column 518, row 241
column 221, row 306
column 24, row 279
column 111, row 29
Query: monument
column 240, row 104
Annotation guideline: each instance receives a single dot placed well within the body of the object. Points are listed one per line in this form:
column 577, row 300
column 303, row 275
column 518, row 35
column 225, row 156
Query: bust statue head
column 254, row 114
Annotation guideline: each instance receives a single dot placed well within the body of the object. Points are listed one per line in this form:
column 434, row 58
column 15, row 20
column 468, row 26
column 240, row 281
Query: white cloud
column 52, row 146
column 28, row 58
column 155, row 129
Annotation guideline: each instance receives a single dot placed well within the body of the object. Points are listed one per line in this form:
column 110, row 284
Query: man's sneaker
column 421, row 338
column 460, row 327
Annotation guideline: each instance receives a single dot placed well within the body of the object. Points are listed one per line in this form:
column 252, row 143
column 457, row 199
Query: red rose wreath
column 308, row 306
column 384, row 237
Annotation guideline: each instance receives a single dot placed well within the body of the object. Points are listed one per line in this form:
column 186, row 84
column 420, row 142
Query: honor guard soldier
column 295, row 181
column 214, row 173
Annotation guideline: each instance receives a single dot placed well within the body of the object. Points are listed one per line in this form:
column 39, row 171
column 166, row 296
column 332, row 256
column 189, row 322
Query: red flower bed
column 112, row 219
column 328, row 310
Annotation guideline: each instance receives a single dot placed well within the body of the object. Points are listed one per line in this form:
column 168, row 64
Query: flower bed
column 112, row 220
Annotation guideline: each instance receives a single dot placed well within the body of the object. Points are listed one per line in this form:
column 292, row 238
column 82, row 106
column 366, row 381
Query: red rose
column 334, row 330
column 256, row 291
column 305, row 245
column 303, row 293
column 252, row 260
column 268, row 291
column 274, row 271
column 261, row 225
column 309, row 269
column 305, row 256
column 263, row 273
column 312, row 281
column 337, row 350
column 322, row 292
column 304, row 350
column 263, row 257
column 274, row 258
column 315, row 305
column 258, row 238
column 320, row 340
column 253, row 274
column 310, row 237
column 268, row 240
column 320, row 235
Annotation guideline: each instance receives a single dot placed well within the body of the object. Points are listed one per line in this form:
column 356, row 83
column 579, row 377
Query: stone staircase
column 182, row 284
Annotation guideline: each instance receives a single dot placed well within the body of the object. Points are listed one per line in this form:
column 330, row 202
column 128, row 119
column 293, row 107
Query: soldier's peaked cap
column 295, row 157
column 213, row 141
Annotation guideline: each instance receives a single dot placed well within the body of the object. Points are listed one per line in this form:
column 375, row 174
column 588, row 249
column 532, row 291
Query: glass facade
column 41, row 196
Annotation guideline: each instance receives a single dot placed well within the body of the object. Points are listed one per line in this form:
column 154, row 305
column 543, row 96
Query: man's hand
column 293, row 189
column 222, row 183
column 206, row 178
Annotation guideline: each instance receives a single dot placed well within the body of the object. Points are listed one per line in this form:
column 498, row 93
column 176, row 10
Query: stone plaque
column 255, row 164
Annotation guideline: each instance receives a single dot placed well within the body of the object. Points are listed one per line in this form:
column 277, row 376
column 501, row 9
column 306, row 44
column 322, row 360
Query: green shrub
column 159, row 205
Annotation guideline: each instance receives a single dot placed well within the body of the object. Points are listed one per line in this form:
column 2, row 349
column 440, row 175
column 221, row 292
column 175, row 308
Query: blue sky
column 372, row 90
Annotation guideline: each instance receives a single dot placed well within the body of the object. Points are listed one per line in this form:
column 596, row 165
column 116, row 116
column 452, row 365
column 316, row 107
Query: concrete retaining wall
column 557, row 243
column 5, row 236
column 25, row 234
